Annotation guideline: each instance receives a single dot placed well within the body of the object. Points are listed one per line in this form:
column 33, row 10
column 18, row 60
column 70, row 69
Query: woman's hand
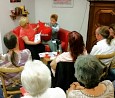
column 75, row 86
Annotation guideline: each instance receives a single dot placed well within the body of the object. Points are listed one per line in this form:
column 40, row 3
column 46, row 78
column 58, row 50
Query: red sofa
column 62, row 36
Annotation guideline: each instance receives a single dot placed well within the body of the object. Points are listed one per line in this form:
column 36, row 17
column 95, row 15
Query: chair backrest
column 64, row 75
column 113, row 63
column 3, row 76
column 107, row 67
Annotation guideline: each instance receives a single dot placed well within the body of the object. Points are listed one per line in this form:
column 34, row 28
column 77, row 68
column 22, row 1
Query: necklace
column 90, row 95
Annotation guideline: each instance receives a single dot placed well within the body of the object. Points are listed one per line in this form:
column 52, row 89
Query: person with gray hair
column 36, row 79
column 88, row 71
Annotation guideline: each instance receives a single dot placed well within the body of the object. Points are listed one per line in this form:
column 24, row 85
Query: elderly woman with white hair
column 88, row 71
column 36, row 79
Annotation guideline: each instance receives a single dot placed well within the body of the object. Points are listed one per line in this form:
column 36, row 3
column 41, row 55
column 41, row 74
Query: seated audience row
column 77, row 53
column 88, row 70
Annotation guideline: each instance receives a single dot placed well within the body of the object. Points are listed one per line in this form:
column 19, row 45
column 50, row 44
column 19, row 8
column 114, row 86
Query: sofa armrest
column 63, row 37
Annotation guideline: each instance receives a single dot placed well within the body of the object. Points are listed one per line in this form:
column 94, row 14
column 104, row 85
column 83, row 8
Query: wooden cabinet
column 102, row 12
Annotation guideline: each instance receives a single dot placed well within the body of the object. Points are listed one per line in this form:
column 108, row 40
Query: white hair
column 36, row 78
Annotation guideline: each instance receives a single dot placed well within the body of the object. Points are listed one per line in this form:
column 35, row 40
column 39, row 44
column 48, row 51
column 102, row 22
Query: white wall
column 6, row 23
column 75, row 18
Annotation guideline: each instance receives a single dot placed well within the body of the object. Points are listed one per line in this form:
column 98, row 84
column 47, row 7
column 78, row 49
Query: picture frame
column 62, row 3
column 13, row 1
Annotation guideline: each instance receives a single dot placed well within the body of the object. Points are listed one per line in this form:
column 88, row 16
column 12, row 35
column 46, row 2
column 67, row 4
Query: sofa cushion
column 62, row 44
column 21, row 43
column 46, row 32
column 17, row 30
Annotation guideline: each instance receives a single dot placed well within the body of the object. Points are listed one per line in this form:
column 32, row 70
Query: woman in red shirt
column 27, row 33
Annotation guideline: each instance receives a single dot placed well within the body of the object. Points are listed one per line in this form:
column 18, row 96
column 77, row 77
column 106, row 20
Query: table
column 47, row 56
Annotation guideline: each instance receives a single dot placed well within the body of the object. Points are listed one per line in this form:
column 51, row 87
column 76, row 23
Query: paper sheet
column 37, row 37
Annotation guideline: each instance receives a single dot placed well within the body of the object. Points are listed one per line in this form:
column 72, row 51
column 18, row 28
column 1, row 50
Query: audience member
column 14, row 55
column 36, row 79
column 27, row 33
column 112, row 31
column 54, row 42
column 88, row 71
column 76, row 48
column 105, row 43
column 14, row 58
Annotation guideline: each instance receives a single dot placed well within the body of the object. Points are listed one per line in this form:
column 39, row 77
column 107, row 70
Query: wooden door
column 101, row 13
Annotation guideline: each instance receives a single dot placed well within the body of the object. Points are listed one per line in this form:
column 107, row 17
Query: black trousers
column 35, row 50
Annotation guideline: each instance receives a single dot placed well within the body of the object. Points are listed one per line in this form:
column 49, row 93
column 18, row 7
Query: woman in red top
column 27, row 33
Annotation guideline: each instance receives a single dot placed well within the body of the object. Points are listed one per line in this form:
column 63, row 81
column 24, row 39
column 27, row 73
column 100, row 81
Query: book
column 37, row 37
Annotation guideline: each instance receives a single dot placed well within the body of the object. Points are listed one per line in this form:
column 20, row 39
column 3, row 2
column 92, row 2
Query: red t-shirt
column 29, row 32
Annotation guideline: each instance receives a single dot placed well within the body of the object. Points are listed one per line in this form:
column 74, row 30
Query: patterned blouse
column 109, row 92
column 22, row 57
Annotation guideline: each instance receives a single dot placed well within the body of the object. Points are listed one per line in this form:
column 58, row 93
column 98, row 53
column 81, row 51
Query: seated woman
column 88, row 71
column 37, row 81
column 14, row 57
column 27, row 33
column 76, row 48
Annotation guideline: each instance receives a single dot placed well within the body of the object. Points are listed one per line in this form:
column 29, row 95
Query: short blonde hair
column 36, row 77
column 23, row 21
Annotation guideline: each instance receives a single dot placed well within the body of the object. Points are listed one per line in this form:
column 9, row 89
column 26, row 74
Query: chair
column 64, row 75
column 3, row 71
column 108, row 66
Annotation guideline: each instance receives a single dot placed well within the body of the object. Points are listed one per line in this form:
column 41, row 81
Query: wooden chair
column 108, row 66
column 3, row 71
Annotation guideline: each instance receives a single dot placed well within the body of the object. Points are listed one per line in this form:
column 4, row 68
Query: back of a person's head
column 35, row 78
column 105, row 33
column 10, row 40
column 23, row 21
column 76, row 44
column 54, row 16
column 88, row 70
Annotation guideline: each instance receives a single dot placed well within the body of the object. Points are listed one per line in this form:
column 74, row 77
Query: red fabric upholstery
column 17, row 32
column 62, row 36
column 46, row 32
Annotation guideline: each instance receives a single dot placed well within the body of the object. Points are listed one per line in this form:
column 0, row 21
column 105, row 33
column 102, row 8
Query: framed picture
column 63, row 3
column 12, row 1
